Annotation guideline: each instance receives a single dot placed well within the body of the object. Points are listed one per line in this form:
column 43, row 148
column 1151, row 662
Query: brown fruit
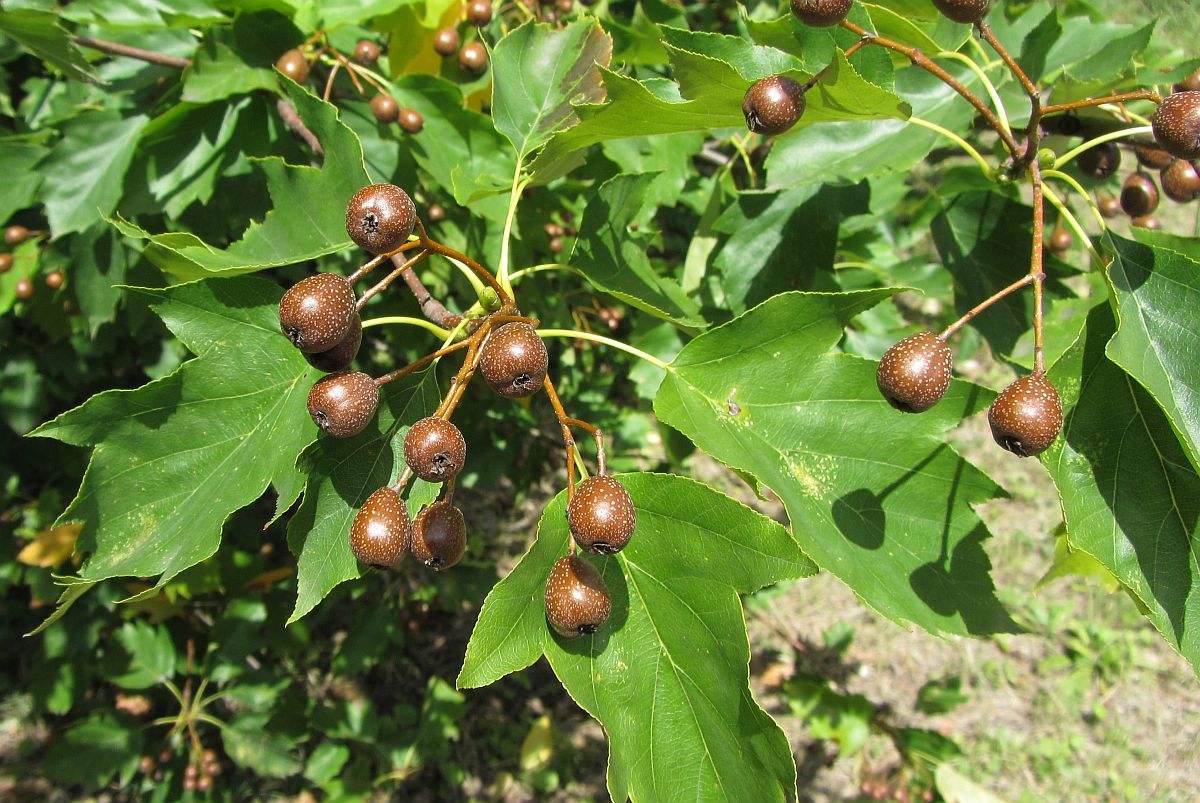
column 55, row 279
column 1189, row 84
column 1155, row 158
column 411, row 121
column 1177, row 124
column 556, row 245
column 343, row 404
column 381, row 531
column 821, row 13
column 565, row 6
column 1139, row 195
column 435, row 449
column 380, row 217
column 445, row 41
column 317, row 312
column 366, row 53
column 473, row 58
column 293, row 65
column 1027, row 415
column 514, row 360
column 23, row 289
column 1109, row 206
column 773, row 105
column 965, row 11
column 435, row 213
column 1060, row 241
column 913, row 374
column 1180, row 181
column 479, row 12
column 601, row 515
column 439, row 536
column 15, row 235
column 577, row 600
column 385, row 108
column 341, row 355
column 1146, row 222
column 6, row 263
column 1100, row 161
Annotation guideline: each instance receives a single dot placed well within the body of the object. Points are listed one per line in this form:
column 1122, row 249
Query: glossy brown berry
column 1180, row 181
column 773, row 105
column 343, row 404
column 439, row 536
column 385, row 108
column 317, row 312
column 1177, row 124
column 340, row 356
column 55, row 279
column 1189, row 84
column 1139, row 195
column 965, row 11
column 411, row 121
column 435, row 213
column 1109, row 206
column 1100, row 161
column 23, row 289
column 435, row 450
column 565, row 6
column 556, row 245
column 1146, row 222
column 15, row 235
column 1060, row 241
column 913, row 374
column 577, row 600
column 514, row 360
column 821, row 13
column 1155, row 158
column 479, row 12
column 445, row 41
column 6, row 263
column 293, row 65
column 1027, row 415
column 381, row 531
column 601, row 515
column 366, row 53
column 473, row 58
column 380, row 217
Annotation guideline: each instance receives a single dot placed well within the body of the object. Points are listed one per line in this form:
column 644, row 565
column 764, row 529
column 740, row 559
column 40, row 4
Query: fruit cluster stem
column 1036, row 272
column 1120, row 97
column 987, row 302
column 401, row 267
column 480, row 271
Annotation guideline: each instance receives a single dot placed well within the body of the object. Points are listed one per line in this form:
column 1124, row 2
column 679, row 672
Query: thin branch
column 288, row 112
column 431, row 308
column 118, row 49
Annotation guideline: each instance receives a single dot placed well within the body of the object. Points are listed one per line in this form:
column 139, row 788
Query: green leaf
column 39, row 33
column 333, row 14
column 99, row 259
column 151, row 656
column 18, row 155
column 612, row 258
column 1157, row 294
column 239, row 60
column 674, row 647
column 94, row 750
column 843, row 718
column 764, row 395
column 1130, row 497
column 539, row 73
column 175, row 457
column 249, row 742
column 941, row 696
column 326, row 762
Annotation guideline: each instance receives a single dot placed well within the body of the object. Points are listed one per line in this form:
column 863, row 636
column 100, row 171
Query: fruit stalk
column 391, row 277
column 450, row 253
column 1035, row 263
column 982, row 305
column 1120, row 97
column 431, row 308
column 1032, row 137
column 288, row 113
column 417, row 365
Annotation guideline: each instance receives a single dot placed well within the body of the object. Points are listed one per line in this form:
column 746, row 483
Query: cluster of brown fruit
column 198, row 775
column 320, row 315
column 24, row 288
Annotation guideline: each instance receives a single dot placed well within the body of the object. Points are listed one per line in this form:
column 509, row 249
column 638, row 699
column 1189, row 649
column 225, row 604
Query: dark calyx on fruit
column 385, row 108
column 1027, row 415
column 1156, row 158
column 1100, row 161
column 1139, row 195
column 1177, row 124
column 965, row 11
column 1180, row 181
column 341, row 355
column 411, row 121
column 366, row 53
column 479, row 12
column 577, row 600
column 381, row 532
column 821, row 13
column 773, row 105
column 293, row 65
column 514, row 360
column 435, row 449
column 15, row 235
column 473, row 57
column 317, row 312
column 445, row 41
column 601, row 515
column 380, row 217
column 439, row 536
column 913, row 374
column 343, row 404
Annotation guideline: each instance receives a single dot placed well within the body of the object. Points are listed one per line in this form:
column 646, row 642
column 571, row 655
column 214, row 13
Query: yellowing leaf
column 50, row 547
column 538, row 747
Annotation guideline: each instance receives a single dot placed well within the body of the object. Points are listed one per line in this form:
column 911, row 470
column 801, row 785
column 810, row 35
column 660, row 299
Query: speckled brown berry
column 366, row 53
column 479, row 12
column 15, row 235
column 1180, row 181
column 435, row 450
column 1146, row 222
column 1060, row 241
column 385, row 108
column 411, row 121
column 381, row 532
column 821, row 13
column 343, row 404
column 55, row 279
column 1109, row 206
column 293, row 65
column 473, row 58
column 23, row 289
column 439, row 536
column 6, row 263
column 1100, row 161
column 514, row 360
column 601, row 515
column 435, row 213
column 965, row 11
column 913, row 374
column 1139, row 195
column 577, row 600
column 317, row 312
column 1155, row 158
column 1177, row 124
column 1027, row 415
column 380, row 217
column 445, row 41
column 773, row 105
column 340, row 356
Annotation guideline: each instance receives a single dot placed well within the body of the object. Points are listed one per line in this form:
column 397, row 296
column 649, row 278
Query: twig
column 431, row 308
column 288, row 112
column 118, row 49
